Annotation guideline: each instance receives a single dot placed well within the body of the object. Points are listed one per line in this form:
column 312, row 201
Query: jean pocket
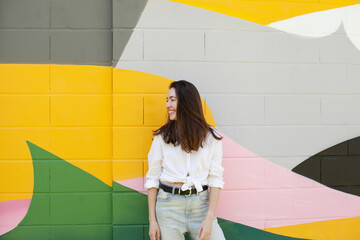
column 162, row 195
column 204, row 195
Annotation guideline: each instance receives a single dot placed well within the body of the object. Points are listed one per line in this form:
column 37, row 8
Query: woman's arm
column 205, row 229
column 152, row 192
column 213, row 201
column 154, row 231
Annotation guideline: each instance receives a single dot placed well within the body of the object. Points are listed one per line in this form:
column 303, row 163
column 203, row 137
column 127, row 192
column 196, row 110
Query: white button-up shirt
column 172, row 164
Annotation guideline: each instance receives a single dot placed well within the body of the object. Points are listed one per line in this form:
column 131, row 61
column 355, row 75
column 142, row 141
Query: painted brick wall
column 86, row 81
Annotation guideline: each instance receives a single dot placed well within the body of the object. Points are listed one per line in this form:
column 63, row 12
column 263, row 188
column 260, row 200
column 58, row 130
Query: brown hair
column 190, row 127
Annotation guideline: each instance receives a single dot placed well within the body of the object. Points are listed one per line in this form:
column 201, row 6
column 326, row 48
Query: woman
column 184, row 161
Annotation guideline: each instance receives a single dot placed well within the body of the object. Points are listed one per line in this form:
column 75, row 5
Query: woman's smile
column 171, row 103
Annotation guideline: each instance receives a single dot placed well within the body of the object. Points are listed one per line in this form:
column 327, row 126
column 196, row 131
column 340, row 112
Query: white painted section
column 237, row 109
column 323, row 23
column 259, row 47
column 290, row 141
column 340, row 109
column 285, row 110
column 173, row 45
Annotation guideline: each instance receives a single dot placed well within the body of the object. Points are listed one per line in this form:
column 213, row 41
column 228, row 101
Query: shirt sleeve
column 215, row 178
column 155, row 164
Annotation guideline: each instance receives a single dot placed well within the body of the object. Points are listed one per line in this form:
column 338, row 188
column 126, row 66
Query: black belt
column 177, row 190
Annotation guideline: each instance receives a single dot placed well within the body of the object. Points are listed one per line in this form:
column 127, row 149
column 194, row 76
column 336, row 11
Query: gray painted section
column 120, row 39
column 85, row 46
column 126, row 14
column 24, row 14
column 72, row 31
column 24, row 45
column 81, row 14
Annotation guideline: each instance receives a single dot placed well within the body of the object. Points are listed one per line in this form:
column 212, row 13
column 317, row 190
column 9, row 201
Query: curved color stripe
column 264, row 195
column 279, row 196
column 12, row 212
column 326, row 230
column 266, row 12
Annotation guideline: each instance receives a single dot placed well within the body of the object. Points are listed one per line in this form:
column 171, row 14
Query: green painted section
column 87, row 232
column 42, row 182
column 128, row 232
column 39, row 211
column 28, row 233
column 130, row 208
column 100, row 213
column 74, row 179
column 69, row 208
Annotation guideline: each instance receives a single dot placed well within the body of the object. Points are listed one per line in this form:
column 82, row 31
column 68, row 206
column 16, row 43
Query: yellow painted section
column 344, row 229
column 208, row 115
column 81, row 110
column 80, row 79
column 127, row 169
column 132, row 142
column 14, row 147
column 24, row 78
column 81, row 143
column 266, row 12
column 154, row 110
column 101, row 169
column 12, row 173
column 72, row 112
column 20, row 110
column 128, row 109
column 126, row 81
column 9, row 197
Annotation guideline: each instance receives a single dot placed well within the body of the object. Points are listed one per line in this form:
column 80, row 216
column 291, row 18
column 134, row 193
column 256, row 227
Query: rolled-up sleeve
column 215, row 178
column 155, row 164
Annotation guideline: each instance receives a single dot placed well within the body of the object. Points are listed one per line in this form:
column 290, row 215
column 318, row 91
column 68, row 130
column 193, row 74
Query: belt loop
column 173, row 191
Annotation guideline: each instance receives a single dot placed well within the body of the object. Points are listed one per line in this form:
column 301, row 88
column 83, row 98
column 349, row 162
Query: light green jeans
column 178, row 214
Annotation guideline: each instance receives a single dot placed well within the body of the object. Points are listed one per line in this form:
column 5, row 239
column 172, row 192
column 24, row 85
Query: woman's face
column 171, row 103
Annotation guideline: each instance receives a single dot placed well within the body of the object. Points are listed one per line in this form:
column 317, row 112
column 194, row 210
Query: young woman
column 184, row 161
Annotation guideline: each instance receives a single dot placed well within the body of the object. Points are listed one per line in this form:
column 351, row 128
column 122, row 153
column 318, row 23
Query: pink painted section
column 261, row 194
column 134, row 183
column 11, row 213
column 257, row 190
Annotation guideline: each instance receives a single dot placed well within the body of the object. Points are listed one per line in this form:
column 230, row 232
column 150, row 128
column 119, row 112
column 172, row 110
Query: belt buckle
column 186, row 195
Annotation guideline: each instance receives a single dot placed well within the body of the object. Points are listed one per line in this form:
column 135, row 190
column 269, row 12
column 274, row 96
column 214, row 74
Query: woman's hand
column 205, row 229
column 154, row 231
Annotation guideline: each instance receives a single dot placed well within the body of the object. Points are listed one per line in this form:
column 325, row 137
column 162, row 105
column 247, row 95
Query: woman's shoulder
column 157, row 137
column 212, row 129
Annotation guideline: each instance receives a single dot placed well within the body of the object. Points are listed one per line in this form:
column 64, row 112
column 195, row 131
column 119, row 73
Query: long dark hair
column 190, row 127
